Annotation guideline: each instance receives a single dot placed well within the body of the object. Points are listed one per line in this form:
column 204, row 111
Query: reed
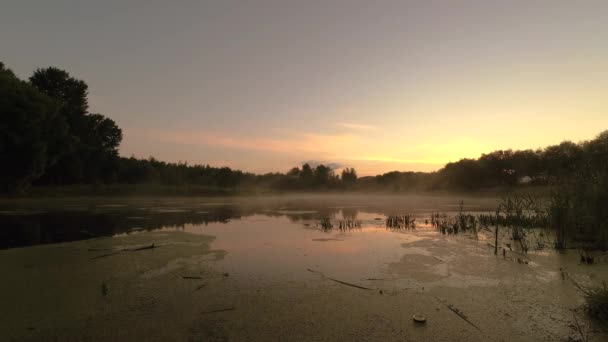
column 401, row 222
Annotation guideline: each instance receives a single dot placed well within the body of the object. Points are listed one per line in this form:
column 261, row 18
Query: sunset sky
column 378, row 85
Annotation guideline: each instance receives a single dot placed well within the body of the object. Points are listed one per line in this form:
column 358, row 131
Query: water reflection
column 45, row 223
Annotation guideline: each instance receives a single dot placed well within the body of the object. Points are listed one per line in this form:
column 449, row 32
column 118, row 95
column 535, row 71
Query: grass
column 325, row 224
column 597, row 304
column 401, row 222
column 348, row 224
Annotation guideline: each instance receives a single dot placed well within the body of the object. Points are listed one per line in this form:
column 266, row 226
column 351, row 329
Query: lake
column 269, row 268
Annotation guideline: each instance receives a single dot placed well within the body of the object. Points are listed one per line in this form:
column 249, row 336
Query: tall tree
column 349, row 176
column 95, row 152
column 32, row 133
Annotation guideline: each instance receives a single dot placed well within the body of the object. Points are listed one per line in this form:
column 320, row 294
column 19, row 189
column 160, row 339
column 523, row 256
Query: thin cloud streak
column 305, row 142
column 356, row 126
column 358, row 150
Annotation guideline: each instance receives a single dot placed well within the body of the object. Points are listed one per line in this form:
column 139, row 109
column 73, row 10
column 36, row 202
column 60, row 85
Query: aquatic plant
column 325, row 224
column 577, row 214
column 348, row 224
column 401, row 222
column 440, row 222
column 104, row 289
column 597, row 303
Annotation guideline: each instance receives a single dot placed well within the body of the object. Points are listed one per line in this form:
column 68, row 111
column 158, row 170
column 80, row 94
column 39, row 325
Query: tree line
column 549, row 166
column 49, row 137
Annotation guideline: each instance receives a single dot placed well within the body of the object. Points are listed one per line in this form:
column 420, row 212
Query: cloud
column 356, row 126
column 297, row 142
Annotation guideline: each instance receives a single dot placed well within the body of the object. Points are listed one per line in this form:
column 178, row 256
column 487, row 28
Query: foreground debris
column 340, row 281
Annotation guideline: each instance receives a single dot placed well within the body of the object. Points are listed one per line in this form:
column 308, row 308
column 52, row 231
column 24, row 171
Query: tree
column 323, row 175
column 306, row 175
column 94, row 153
column 349, row 176
column 57, row 84
column 32, row 133
column 104, row 135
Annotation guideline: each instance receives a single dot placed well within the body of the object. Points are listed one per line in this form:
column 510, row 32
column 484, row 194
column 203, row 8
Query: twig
column 218, row 310
column 140, row 248
column 579, row 329
column 349, row 284
column 191, row 277
column 458, row 312
column 125, row 250
column 105, row 255
column 341, row 282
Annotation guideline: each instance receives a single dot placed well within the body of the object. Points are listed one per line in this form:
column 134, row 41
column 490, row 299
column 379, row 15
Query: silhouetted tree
column 94, row 153
column 306, row 175
column 349, row 176
column 32, row 133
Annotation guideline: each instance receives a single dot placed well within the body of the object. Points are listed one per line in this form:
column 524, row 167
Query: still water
column 266, row 269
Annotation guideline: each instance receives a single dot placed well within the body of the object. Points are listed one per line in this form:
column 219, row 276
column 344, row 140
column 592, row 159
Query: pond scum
column 519, row 224
column 530, row 223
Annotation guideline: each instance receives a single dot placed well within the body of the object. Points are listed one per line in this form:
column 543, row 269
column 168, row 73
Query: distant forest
column 48, row 137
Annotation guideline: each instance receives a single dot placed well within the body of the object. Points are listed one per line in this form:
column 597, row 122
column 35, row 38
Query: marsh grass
column 348, row 224
column 597, row 303
column 325, row 224
column 104, row 289
column 401, row 222
column 461, row 223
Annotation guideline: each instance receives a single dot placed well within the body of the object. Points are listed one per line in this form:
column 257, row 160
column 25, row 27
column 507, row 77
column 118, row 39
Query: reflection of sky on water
column 266, row 247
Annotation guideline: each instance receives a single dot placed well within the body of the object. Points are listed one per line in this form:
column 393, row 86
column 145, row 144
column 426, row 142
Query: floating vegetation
column 401, row 222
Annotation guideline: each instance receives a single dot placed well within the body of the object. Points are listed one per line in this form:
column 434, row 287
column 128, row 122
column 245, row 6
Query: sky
column 379, row 85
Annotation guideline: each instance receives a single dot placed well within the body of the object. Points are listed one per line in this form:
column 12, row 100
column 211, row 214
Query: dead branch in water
column 191, row 277
column 458, row 312
column 341, row 282
column 140, row 248
column 152, row 246
column 105, row 255
column 218, row 310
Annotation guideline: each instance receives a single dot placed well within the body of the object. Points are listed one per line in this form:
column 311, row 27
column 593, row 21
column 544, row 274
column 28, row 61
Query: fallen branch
column 140, row 248
column 105, row 255
column 191, row 277
column 125, row 250
column 218, row 310
column 458, row 312
column 340, row 281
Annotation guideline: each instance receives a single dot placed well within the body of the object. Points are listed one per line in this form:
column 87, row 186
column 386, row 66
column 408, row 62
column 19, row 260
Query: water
column 76, row 272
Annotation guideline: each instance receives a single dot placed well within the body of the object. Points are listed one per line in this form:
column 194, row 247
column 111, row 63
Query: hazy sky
column 378, row 85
